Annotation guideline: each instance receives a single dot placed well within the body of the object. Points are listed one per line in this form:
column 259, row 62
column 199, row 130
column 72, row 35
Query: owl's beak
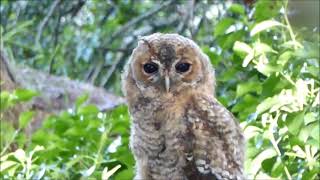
column 167, row 82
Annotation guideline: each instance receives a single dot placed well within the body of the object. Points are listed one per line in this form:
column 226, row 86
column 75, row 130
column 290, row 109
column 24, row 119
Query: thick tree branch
column 57, row 95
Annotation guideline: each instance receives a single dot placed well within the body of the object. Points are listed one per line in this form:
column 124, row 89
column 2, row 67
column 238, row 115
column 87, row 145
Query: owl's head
column 169, row 63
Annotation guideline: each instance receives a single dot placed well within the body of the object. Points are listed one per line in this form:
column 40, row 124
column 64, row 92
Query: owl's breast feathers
column 196, row 136
column 217, row 149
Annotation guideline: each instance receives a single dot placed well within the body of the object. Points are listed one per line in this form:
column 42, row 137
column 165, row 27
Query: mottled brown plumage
column 179, row 130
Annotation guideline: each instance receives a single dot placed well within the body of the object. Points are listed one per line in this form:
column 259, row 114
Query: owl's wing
column 217, row 141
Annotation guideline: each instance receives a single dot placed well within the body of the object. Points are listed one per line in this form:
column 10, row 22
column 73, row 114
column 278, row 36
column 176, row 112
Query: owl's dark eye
column 150, row 68
column 182, row 67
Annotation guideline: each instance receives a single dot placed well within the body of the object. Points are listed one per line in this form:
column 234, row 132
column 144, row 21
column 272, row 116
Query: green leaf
column 213, row 56
column 277, row 169
column 284, row 57
column 25, row 94
column 310, row 117
column 20, row 155
column 36, row 149
column 264, row 25
column 12, row 171
column 267, row 164
column 88, row 172
column 126, row 174
column 227, row 41
column 106, row 174
column 263, row 155
column 75, row 132
column 246, row 87
column 294, row 122
column 4, row 100
column 261, row 48
column 247, row 59
column 270, row 84
column 242, row 47
column 25, row 118
column 291, row 45
column 252, row 131
column 304, row 134
column 237, row 9
column 314, row 131
column 266, row 9
column 313, row 142
column 81, row 99
column 89, row 109
column 6, row 165
column 22, row 27
column 267, row 104
column 310, row 174
column 268, row 69
column 222, row 26
column 314, row 71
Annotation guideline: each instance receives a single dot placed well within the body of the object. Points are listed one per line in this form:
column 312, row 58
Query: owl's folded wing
column 217, row 141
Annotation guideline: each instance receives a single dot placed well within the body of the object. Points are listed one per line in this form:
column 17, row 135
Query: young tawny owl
column 179, row 130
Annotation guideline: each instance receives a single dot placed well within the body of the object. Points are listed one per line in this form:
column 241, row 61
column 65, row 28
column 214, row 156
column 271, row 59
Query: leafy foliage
column 81, row 142
column 278, row 104
column 267, row 75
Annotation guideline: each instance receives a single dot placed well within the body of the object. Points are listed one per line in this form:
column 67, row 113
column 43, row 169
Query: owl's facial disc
column 166, row 67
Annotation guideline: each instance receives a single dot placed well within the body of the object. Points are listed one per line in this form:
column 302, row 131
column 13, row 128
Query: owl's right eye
column 150, row 68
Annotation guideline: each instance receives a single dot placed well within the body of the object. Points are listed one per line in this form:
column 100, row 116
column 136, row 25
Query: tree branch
column 138, row 19
column 188, row 16
column 55, row 41
column 75, row 9
column 45, row 20
column 197, row 28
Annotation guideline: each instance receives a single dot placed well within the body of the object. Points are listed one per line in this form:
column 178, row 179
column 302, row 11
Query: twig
column 106, row 78
column 274, row 143
column 14, row 136
column 55, row 41
column 197, row 28
column 75, row 9
column 288, row 25
column 108, row 13
column 106, row 49
column 96, row 70
column 6, row 65
column 188, row 16
column 45, row 20
column 138, row 19
column 5, row 20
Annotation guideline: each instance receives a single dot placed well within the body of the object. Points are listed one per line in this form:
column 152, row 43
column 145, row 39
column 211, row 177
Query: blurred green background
column 265, row 53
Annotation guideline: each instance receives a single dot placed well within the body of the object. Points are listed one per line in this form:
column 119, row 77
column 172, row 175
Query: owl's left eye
column 182, row 67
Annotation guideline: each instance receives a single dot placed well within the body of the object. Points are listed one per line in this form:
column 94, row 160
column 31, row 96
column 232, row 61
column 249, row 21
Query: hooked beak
column 167, row 82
